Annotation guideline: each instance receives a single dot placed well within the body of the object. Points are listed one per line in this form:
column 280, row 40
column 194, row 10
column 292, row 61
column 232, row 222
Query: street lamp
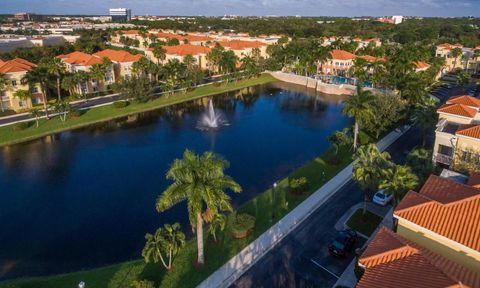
column 273, row 200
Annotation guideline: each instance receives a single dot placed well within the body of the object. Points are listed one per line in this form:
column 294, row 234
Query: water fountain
column 211, row 119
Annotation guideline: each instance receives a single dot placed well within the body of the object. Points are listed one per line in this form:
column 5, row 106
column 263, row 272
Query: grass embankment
column 364, row 224
column 105, row 113
column 184, row 273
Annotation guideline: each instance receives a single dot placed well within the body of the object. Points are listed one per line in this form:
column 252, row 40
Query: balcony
column 443, row 159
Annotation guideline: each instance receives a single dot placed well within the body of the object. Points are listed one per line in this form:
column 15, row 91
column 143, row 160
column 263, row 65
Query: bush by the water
column 76, row 113
column 120, row 104
column 299, row 185
column 21, row 126
column 242, row 225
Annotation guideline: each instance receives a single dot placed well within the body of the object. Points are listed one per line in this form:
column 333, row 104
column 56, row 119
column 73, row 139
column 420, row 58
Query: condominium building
column 437, row 243
column 339, row 63
column 122, row 62
column 182, row 50
column 465, row 60
column 457, row 137
column 120, row 14
column 14, row 71
column 244, row 48
column 79, row 61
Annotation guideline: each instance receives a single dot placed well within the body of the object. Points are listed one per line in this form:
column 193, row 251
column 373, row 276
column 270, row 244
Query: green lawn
column 365, row 224
column 105, row 113
column 184, row 273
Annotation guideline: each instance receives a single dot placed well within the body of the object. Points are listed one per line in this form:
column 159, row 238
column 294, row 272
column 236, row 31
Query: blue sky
column 251, row 7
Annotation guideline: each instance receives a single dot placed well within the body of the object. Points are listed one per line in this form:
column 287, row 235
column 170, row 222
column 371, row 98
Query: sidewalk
column 237, row 265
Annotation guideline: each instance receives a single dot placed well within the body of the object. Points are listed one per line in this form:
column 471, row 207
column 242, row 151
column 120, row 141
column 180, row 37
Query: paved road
column 301, row 259
column 78, row 105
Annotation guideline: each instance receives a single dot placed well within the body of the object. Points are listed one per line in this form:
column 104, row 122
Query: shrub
column 242, row 225
column 299, row 185
column 216, row 84
column 143, row 284
column 120, row 104
column 76, row 113
column 21, row 126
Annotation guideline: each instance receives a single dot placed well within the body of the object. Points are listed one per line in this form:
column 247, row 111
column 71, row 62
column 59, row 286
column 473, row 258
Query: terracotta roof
column 16, row 65
column 392, row 261
column 450, row 46
column 465, row 100
column 190, row 37
column 342, row 55
column 118, row 55
column 372, row 58
column 469, row 131
column 80, row 58
column 186, row 49
column 241, row 45
column 421, row 65
column 445, row 207
column 474, row 180
column 129, row 32
column 458, row 109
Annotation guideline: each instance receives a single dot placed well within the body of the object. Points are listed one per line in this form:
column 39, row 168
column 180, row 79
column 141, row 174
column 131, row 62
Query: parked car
column 381, row 198
column 343, row 243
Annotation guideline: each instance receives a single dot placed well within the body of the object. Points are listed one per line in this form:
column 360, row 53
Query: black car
column 343, row 243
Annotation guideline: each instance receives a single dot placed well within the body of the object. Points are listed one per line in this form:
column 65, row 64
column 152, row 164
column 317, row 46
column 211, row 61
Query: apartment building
column 339, row 63
column 14, row 71
column 79, row 61
column 437, row 243
column 245, row 48
column 466, row 60
column 182, row 50
column 122, row 62
column 457, row 137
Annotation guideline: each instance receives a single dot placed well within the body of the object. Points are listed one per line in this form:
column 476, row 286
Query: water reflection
column 87, row 196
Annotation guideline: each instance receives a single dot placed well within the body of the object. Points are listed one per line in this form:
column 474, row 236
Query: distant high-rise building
column 23, row 16
column 121, row 14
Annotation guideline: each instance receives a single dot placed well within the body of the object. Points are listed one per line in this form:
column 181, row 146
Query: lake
column 86, row 198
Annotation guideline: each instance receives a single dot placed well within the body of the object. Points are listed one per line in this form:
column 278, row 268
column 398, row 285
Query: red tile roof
column 241, row 45
column 129, row 32
column 458, row 109
column 190, row 37
column 80, row 58
column 450, row 46
column 16, row 65
column 186, row 49
column 372, row 58
column 474, row 180
column 469, row 131
column 392, row 261
column 465, row 100
column 342, row 55
column 118, row 55
column 421, row 65
column 445, row 207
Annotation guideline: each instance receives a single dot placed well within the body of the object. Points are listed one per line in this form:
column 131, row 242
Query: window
column 14, row 83
column 34, row 90
column 445, row 150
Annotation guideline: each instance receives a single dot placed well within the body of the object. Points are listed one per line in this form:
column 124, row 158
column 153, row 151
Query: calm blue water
column 86, row 198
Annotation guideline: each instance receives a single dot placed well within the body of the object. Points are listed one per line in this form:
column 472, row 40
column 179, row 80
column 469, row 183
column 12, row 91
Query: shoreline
column 104, row 114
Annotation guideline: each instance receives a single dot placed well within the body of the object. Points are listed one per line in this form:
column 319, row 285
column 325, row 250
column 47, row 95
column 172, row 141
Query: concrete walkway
column 237, row 265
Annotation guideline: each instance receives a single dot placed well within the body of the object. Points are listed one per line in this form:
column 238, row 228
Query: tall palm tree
column 174, row 70
column 398, row 180
column 456, row 52
column 214, row 57
column 368, row 169
column 35, row 112
column 3, row 86
column 425, row 116
column 228, row 62
column 141, row 66
column 69, row 83
column 56, row 68
column 39, row 75
column 199, row 180
column 98, row 72
column 160, row 53
column 217, row 223
column 359, row 69
column 358, row 107
column 81, row 78
column 476, row 55
column 163, row 245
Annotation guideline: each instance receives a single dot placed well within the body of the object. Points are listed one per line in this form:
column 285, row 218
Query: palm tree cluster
column 164, row 245
column 374, row 169
column 200, row 181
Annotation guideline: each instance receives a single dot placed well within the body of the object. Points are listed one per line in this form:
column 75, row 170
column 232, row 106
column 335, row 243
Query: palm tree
column 476, row 55
column 358, row 107
column 456, row 52
column 199, row 180
column 39, row 75
column 160, row 53
column 217, row 223
column 174, row 69
column 250, row 66
column 228, row 62
column 359, row 69
column 82, row 77
column 98, row 72
column 22, row 94
column 398, row 180
column 56, row 68
column 368, row 169
column 214, row 57
column 69, row 83
column 141, row 66
column 425, row 116
column 3, row 86
column 35, row 112
column 164, row 245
